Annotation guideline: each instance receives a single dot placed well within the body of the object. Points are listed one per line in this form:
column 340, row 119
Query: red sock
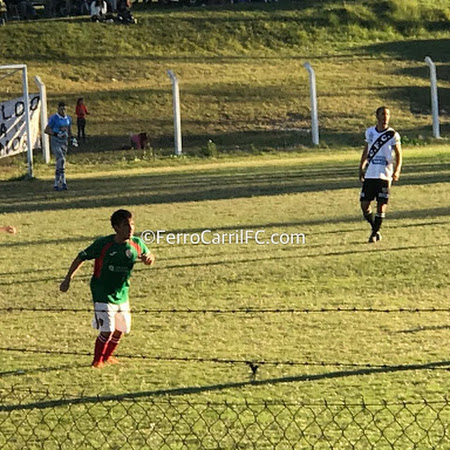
column 112, row 345
column 100, row 348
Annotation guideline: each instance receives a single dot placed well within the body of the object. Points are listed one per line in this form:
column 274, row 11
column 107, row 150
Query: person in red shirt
column 81, row 111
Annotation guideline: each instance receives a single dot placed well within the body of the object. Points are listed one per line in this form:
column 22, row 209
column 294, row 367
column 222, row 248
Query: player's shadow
column 194, row 390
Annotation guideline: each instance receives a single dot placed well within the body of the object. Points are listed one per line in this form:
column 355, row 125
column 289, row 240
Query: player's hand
column 361, row 176
column 64, row 286
column 396, row 176
column 147, row 258
column 10, row 229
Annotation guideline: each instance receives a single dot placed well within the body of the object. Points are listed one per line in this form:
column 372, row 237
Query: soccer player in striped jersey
column 114, row 256
column 377, row 170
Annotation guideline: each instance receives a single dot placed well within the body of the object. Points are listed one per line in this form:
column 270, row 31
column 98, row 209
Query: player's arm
column 363, row 162
column 146, row 256
column 398, row 161
column 76, row 264
column 49, row 131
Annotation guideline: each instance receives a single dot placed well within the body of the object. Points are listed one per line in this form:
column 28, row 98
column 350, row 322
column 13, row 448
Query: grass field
column 312, row 194
column 243, row 85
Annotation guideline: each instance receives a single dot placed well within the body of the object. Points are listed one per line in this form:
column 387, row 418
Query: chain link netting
column 35, row 419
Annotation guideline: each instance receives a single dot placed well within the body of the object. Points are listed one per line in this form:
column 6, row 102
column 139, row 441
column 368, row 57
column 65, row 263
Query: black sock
column 369, row 217
column 377, row 222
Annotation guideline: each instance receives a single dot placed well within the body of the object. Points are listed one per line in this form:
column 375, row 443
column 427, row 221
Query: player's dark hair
column 80, row 100
column 61, row 104
column 119, row 216
column 381, row 108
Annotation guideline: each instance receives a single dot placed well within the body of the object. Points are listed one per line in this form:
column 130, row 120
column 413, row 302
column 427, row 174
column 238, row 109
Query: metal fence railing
column 35, row 419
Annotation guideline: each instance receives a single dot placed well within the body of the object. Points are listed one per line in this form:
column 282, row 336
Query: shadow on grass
column 415, row 50
column 419, row 100
column 216, row 184
column 420, row 329
column 282, row 136
column 233, row 262
column 196, row 255
column 192, row 390
column 370, row 251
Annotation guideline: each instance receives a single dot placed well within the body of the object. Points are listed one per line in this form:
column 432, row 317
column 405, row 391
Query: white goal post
column 22, row 108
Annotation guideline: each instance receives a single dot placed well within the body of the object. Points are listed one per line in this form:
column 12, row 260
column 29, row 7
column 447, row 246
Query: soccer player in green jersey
column 114, row 256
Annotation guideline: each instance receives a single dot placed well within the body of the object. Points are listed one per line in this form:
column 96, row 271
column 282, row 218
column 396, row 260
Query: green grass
column 241, row 72
column 315, row 194
column 311, row 194
column 243, row 85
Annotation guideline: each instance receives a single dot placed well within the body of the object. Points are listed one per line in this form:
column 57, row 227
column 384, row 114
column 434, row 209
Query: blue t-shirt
column 59, row 123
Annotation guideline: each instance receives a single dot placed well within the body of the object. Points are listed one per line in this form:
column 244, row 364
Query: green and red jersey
column 113, row 266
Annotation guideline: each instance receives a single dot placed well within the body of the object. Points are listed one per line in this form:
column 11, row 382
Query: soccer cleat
column 64, row 187
column 374, row 237
column 112, row 360
column 97, row 364
column 56, row 188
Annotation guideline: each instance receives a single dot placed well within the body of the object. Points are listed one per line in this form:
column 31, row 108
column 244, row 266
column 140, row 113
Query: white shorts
column 109, row 317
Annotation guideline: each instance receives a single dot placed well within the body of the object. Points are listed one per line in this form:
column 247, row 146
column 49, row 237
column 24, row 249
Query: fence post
column 434, row 97
column 44, row 137
column 27, row 120
column 313, row 95
column 176, row 112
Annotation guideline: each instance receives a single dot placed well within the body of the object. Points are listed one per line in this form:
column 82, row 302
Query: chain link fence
column 32, row 419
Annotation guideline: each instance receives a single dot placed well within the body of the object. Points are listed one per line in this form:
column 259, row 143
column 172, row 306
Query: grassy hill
column 241, row 73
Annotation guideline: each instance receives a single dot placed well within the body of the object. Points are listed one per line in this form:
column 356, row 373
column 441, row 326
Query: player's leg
column 60, row 171
column 379, row 216
column 123, row 325
column 382, row 201
column 367, row 211
column 83, row 129
column 79, row 129
column 63, row 167
column 104, row 321
column 366, row 197
column 111, row 347
column 57, row 153
column 100, row 346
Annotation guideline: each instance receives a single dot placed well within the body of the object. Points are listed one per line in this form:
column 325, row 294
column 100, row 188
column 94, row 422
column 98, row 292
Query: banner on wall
column 13, row 134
